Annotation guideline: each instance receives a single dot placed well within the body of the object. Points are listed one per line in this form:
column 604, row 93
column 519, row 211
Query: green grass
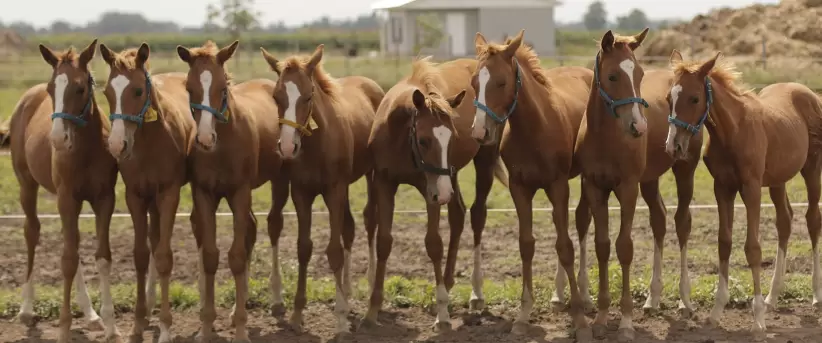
column 402, row 292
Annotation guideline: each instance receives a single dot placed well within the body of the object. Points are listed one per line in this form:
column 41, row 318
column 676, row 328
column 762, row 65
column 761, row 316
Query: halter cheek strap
column 305, row 130
column 79, row 120
column 220, row 115
column 694, row 129
column 613, row 104
column 416, row 154
column 497, row 118
column 140, row 117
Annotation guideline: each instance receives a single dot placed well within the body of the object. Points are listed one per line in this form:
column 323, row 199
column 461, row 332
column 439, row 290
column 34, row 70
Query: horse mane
column 724, row 73
column 327, row 84
column 126, row 59
column 525, row 53
column 209, row 52
column 426, row 75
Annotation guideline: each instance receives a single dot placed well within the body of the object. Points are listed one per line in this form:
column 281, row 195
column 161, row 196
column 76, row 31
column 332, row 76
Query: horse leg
column 484, row 167
column 348, row 235
column 69, row 209
column 684, row 175
column 558, row 192
column 814, row 222
column 656, row 207
column 154, row 239
column 369, row 214
column 752, row 197
column 279, row 196
column 456, row 223
column 523, row 197
column 240, row 203
column 31, row 228
column 137, row 207
column 303, row 199
column 784, row 215
column 103, row 208
column 627, row 194
column 250, row 241
column 336, row 199
column 385, row 192
column 205, row 206
column 582, row 218
column 725, row 197
column 433, row 246
column 166, row 207
column 597, row 199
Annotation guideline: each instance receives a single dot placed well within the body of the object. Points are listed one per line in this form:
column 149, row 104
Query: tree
column 636, row 20
column 237, row 16
column 596, row 18
column 60, row 26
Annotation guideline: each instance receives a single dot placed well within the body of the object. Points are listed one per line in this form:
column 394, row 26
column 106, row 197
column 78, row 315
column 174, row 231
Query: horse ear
column 705, row 68
column 49, row 56
column 88, row 54
column 419, row 99
column 184, row 54
column 272, row 62
column 142, row 55
column 479, row 42
column 638, row 39
column 457, row 99
column 676, row 57
column 607, row 42
column 108, row 55
column 515, row 43
column 225, row 53
column 316, row 57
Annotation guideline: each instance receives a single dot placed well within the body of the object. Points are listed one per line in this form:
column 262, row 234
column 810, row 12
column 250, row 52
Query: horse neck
column 597, row 112
column 94, row 134
column 724, row 116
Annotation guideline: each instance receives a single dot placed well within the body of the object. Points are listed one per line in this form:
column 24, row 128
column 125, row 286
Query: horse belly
column 38, row 161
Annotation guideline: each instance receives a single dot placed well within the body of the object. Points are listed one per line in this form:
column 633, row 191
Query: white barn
column 461, row 20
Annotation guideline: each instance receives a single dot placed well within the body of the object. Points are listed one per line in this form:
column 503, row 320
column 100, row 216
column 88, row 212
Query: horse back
column 29, row 131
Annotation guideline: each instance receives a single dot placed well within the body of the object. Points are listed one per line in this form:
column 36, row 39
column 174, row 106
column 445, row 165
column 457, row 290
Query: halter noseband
column 694, row 129
column 613, row 104
column 140, row 117
column 79, row 120
column 308, row 127
column 220, row 115
column 490, row 113
column 416, row 156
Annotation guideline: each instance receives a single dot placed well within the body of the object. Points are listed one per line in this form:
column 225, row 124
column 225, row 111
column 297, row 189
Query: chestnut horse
column 151, row 136
column 324, row 145
column 619, row 150
column 57, row 133
column 544, row 109
column 244, row 159
column 422, row 137
column 755, row 141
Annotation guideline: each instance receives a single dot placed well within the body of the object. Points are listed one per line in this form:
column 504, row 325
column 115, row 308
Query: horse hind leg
column 369, row 214
column 814, row 222
column 31, row 228
column 583, row 217
column 279, row 194
column 348, row 234
column 650, row 193
column 783, row 226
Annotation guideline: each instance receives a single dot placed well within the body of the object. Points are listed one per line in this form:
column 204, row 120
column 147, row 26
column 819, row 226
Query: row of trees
column 596, row 18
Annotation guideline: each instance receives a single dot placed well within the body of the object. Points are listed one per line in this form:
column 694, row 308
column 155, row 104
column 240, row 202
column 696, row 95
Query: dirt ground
column 794, row 323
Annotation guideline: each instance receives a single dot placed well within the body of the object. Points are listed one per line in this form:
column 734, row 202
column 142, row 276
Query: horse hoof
column 600, row 331
column 650, row 311
column 584, row 335
column 817, row 306
column 231, row 319
column 367, row 325
column 296, row 324
column 557, row 306
column 443, row 326
column 96, row 324
column 625, row 335
column 476, row 305
column 520, row 328
column 26, row 319
column 202, row 337
column 139, row 326
column 115, row 338
column 278, row 310
column 712, row 323
column 588, row 306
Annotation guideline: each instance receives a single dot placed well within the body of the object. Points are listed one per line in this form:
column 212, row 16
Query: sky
column 294, row 12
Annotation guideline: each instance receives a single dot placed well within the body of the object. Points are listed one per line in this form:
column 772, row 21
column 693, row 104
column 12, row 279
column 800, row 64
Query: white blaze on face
column 444, row 188
column 287, row 133
column 640, row 124
column 478, row 131
column 116, row 141
column 205, row 128
column 58, row 125
column 669, row 142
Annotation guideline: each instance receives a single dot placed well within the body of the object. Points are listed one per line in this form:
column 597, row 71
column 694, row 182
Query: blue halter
column 79, row 120
column 138, row 118
column 220, row 115
column 694, row 129
column 613, row 104
column 494, row 116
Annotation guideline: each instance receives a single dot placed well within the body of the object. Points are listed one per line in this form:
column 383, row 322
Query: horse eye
column 612, row 78
column 80, row 90
column 424, row 142
column 694, row 100
column 138, row 92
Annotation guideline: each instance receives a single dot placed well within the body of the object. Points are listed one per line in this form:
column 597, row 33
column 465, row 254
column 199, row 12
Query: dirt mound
column 789, row 29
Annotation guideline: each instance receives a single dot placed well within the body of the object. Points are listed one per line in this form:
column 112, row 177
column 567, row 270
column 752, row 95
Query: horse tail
column 501, row 172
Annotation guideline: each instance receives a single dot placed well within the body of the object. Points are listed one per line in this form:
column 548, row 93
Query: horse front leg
column 336, row 199
column 137, row 207
column 627, row 194
column 167, row 203
column 103, row 209
column 523, row 197
column 752, row 196
column 69, row 209
column 238, row 257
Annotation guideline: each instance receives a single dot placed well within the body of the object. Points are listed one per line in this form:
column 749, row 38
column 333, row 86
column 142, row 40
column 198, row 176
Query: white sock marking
column 442, row 305
column 151, row 285
column 476, row 274
column 684, row 280
column 82, row 297
column 275, row 279
column 656, row 280
column 107, row 305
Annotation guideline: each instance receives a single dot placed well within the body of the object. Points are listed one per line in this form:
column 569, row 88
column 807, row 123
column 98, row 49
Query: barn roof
column 460, row 4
